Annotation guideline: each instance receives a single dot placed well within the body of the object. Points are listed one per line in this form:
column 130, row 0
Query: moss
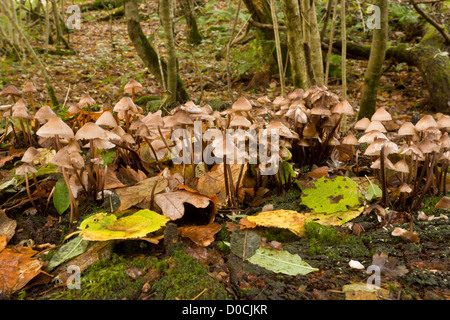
column 290, row 201
column 183, row 277
column 108, row 280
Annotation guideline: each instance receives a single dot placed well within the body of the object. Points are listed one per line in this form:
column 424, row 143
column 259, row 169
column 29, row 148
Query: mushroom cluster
column 421, row 154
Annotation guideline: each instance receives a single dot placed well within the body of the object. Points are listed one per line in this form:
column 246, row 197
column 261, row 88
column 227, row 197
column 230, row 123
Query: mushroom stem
column 73, row 205
column 162, row 138
column 241, row 171
column 153, row 151
column 428, row 184
column 27, row 185
column 385, row 197
column 225, row 175
column 30, row 96
column 25, row 135
column 38, row 190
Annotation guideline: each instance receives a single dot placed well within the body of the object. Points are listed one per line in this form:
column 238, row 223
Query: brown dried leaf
column 202, row 235
column 7, row 226
column 130, row 196
column 17, row 268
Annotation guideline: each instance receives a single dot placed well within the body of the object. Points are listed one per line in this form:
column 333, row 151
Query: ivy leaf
column 373, row 191
column 332, row 195
column 61, row 198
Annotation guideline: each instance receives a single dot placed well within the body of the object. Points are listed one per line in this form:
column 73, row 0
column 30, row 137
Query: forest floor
column 139, row 270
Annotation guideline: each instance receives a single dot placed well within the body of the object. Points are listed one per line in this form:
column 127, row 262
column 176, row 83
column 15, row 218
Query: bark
column 316, row 49
column 194, row 36
column 375, row 65
column 296, row 50
column 166, row 16
column 146, row 51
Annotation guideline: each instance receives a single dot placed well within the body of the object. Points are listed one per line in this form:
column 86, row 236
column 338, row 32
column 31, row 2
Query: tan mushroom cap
column 343, row 107
column 62, row 159
column 375, row 125
column 402, row 166
column 405, row 188
column 20, row 111
column 444, row 122
column 387, row 163
column 426, row 122
column 106, row 119
column 132, row 85
column 181, row 117
column 240, row 121
column 362, row 124
column 371, row 136
column 381, row 115
column 125, row 104
column 241, row 104
column 86, row 100
column 44, row 114
column 407, row 129
column 29, row 88
column 90, row 131
column 350, row 139
column 30, row 155
column 10, row 91
column 320, row 111
column 55, row 126
column 374, row 149
column 444, row 203
column 25, row 169
column 154, row 119
column 428, row 146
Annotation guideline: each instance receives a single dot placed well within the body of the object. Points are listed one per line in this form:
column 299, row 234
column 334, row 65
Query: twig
column 431, row 21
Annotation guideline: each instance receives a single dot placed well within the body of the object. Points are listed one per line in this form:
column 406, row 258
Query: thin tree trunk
column 166, row 16
column 273, row 11
column 194, row 36
column 316, row 46
column 344, row 51
column 146, row 51
column 375, row 64
column 296, row 49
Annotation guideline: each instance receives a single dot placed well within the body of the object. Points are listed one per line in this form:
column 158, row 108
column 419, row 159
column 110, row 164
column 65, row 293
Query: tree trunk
column 296, row 50
column 375, row 65
column 194, row 36
column 166, row 16
column 426, row 56
column 316, row 48
column 146, row 51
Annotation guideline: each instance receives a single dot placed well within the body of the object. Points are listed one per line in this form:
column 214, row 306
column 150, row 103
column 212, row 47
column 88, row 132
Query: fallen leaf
column 68, row 251
column 202, row 235
column 318, row 173
column 7, row 226
column 213, row 181
column 333, row 219
column 103, row 226
column 287, row 219
column 280, row 261
column 130, row 196
column 17, row 268
column 175, row 204
column 406, row 235
column 363, row 291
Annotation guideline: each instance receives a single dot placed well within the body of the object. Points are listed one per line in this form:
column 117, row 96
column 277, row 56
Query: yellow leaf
column 333, row 219
column 287, row 219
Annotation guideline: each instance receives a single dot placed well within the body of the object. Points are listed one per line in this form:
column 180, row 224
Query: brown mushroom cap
column 402, row 166
column 90, row 131
column 375, row 125
column 30, row 155
column 240, row 121
column 181, row 117
column 387, row 163
column 86, row 100
column 343, row 107
column 29, row 88
column 444, row 122
column 350, row 139
column 405, row 188
column 371, row 136
column 20, row 110
column 25, row 169
column 444, row 203
column 125, row 104
column 407, row 129
column 381, row 115
column 241, row 104
column 362, row 124
column 154, row 119
column 426, row 122
column 106, row 119
column 55, row 126
column 132, row 85
column 320, row 111
column 10, row 91
column 62, row 159
column 44, row 114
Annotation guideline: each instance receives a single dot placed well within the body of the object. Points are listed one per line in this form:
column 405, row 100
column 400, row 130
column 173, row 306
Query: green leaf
column 68, row 251
column 373, row 191
column 61, row 198
column 108, row 157
column 103, row 226
column 286, row 172
column 281, row 261
column 332, row 195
